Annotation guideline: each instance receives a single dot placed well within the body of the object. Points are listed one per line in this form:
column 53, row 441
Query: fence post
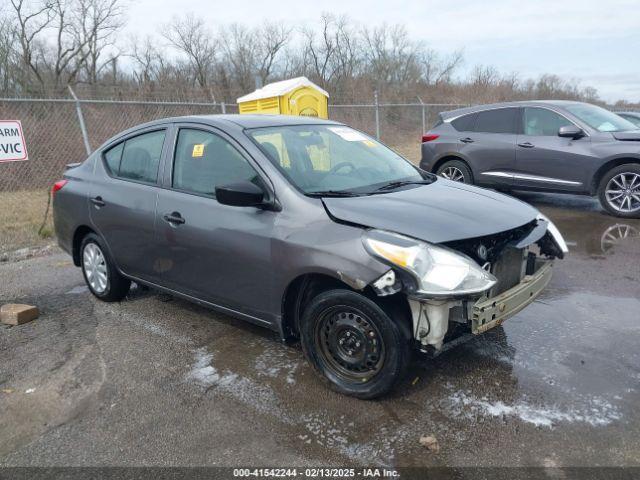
column 424, row 120
column 223, row 107
column 83, row 128
column 377, row 108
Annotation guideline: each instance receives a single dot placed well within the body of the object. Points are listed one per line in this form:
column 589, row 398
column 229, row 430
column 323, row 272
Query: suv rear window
column 500, row 120
column 464, row 123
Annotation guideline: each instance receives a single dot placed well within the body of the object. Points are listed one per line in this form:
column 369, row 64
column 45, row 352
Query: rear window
column 500, row 120
column 137, row 158
column 464, row 123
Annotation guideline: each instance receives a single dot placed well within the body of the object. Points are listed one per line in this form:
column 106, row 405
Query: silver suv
column 553, row 146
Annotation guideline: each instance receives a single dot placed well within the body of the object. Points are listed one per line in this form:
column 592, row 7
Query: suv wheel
column 99, row 271
column 353, row 344
column 619, row 191
column 455, row 170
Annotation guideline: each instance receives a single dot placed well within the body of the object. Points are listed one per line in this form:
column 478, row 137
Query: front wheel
column 353, row 344
column 455, row 170
column 619, row 191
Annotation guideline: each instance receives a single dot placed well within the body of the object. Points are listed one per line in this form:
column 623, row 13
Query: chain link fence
column 61, row 131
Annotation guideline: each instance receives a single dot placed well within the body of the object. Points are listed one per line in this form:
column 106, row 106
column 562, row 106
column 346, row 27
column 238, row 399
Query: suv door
column 490, row 147
column 214, row 252
column 123, row 200
column 549, row 162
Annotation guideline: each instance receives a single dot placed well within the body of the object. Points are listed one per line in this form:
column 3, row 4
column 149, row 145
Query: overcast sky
column 597, row 42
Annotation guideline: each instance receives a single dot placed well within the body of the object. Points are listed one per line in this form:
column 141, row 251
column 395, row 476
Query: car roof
column 524, row 103
column 244, row 121
column 633, row 114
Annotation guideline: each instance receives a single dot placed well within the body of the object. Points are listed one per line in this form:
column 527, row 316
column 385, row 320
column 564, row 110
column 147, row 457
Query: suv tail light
column 427, row 137
column 58, row 186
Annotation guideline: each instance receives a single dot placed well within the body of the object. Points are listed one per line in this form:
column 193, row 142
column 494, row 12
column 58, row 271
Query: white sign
column 13, row 148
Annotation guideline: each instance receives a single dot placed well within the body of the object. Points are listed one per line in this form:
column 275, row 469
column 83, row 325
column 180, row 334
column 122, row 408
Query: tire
column 455, row 170
column 626, row 180
column 99, row 271
column 337, row 322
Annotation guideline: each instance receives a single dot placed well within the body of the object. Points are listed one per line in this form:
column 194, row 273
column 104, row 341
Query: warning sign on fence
column 12, row 145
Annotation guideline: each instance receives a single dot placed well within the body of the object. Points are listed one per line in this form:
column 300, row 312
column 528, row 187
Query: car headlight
column 439, row 272
column 555, row 233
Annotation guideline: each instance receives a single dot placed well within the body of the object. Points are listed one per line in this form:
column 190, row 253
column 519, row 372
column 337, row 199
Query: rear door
column 546, row 161
column 217, row 253
column 123, row 200
column 490, row 146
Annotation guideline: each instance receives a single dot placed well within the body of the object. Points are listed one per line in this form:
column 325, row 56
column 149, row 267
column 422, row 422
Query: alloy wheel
column 95, row 267
column 350, row 343
column 453, row 173
column 623, row 192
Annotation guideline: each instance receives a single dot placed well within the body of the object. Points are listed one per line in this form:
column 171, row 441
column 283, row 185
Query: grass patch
column 21, row 215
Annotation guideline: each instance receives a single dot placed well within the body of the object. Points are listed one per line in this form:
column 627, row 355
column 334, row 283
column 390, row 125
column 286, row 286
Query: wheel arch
column 448, row 157
column 306, row 286
column 605, row 167
column 80, row 232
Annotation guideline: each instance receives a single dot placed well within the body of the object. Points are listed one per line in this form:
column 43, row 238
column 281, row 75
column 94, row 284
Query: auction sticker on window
column 13, row 148
column 349, row 134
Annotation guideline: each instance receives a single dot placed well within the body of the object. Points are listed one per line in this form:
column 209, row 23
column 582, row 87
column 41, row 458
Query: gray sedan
column 554, row 146
column 309, row 228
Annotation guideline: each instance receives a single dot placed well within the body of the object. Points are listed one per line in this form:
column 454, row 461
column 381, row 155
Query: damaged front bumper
column 442, row 324
column 492, row 312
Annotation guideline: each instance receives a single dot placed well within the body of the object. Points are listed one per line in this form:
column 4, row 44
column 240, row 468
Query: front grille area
column 509, row 268
column 494, row 244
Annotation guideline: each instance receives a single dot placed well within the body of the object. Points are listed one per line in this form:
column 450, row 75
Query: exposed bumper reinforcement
column 490, row 313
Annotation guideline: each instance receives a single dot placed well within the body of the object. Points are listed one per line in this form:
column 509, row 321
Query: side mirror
column 241, row 194
column 570, row 131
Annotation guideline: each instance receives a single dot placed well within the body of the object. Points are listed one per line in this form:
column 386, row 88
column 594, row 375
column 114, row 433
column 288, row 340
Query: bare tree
column 190, row 36
column 98, row 22
column 270, row 40
column 318, row 52
column 31, row 21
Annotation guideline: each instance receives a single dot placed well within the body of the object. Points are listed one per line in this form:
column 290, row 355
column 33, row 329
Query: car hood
column 633, row 135
column 439, row 212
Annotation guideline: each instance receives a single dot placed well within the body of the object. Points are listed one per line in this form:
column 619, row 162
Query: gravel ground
column 155, row 380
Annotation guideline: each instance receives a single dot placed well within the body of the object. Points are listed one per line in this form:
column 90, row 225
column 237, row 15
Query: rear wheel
column 353, row 344
column 100, row 273
column 619, row 191
column 456, row 170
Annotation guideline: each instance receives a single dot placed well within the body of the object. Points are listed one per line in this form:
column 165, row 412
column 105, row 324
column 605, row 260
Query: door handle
column 98, row 202
column 467, row 140
column 526, row 145
column 173, row 218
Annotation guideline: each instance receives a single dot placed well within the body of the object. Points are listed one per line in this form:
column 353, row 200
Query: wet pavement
column 158, row 381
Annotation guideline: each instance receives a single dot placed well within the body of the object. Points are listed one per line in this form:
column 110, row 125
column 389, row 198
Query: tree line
column 46, row 45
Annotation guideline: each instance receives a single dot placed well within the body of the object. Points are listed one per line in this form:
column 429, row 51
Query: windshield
column 600, row 119
column 333, row 159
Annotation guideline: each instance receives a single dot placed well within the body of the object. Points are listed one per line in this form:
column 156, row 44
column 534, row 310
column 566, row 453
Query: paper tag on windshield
column 349, row 134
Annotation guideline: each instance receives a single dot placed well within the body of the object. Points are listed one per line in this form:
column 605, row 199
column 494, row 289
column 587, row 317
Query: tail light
column 58, row 186
column 428, row 137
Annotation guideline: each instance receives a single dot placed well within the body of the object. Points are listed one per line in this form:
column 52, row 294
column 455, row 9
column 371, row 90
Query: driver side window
column 204, row 160
column 543, row 122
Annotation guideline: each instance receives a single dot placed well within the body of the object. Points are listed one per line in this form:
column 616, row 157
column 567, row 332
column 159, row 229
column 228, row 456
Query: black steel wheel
column 350, row 342
column 354, row 344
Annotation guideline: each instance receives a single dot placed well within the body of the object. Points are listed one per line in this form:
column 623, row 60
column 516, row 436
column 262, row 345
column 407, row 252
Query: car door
column 490, row 146
column 123, row 200
column 549, row 162
column 214, row 252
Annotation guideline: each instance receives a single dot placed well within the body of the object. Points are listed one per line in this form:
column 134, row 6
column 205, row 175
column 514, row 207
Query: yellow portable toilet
column 297, row 96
